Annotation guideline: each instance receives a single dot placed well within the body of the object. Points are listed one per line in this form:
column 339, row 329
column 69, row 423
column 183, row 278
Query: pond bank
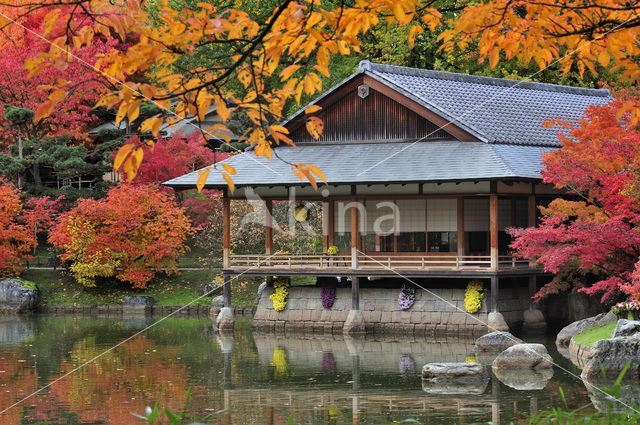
column 115, row 310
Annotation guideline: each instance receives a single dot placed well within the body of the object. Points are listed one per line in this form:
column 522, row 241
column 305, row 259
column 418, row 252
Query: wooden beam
column 226, row 232
column 332, row 223
column 493, row 230
column 460, row 226
column 531, row 211
column 438, row 120
column 354, row 233
column 268, row 226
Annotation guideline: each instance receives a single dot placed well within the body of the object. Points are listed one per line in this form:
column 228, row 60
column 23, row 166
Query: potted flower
column 620, row 310
column 406, row 297
column 634, row 308
column 332, row 251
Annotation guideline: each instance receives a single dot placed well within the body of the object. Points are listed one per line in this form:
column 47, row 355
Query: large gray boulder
column 137, row 304
column 455, row 387
column 16, row 298
column 261, row 288
column 496, row 322
column 524, row 356
column 524, row 380
column 626, row 328
column 496, row 341
column 454, row 371
column 611, row 356
column 564, row 336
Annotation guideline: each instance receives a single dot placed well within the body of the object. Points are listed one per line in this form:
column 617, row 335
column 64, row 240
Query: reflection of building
column 425, row 173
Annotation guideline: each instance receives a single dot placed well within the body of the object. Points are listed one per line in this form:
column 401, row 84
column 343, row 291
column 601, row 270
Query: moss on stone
column 595, row 333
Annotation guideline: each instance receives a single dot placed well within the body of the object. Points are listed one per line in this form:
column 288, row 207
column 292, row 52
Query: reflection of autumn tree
column 17, row 380
column 124, row 380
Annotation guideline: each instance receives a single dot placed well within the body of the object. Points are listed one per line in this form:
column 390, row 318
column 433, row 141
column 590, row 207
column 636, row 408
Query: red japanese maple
column 131, row 234
column 16, row 238
column 592, row 243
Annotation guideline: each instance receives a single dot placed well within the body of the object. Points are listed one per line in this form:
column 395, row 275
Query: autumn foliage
column 593, row 241
column 16, row 238
column 136, row 231
column 173, row 157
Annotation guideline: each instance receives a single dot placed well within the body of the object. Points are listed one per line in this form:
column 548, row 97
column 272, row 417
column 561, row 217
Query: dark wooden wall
column 376, row 117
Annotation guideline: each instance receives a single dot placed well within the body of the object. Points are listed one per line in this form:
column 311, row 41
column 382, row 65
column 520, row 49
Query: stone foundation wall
column 439, row 311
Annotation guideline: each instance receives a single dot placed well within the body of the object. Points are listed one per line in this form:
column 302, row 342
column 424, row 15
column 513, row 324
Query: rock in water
column 524, row 356
column 496, row 322
column 626, row 328
column 564, row 336
column 454, row 371
column 496, row 341
column 16, row 298
column 613, row 355
column 525, row 380
column 137, row 303
column 260, row 291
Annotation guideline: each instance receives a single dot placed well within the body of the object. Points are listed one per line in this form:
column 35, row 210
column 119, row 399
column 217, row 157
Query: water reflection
column 263, row 379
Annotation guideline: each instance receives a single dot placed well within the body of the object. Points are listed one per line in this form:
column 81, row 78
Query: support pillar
column 354, row 234
column 534, row 321
column 268, row 226
column 325, row 226
column 496, row 320
column 226, row 232
column 460, row 227
column 355, row 320
column 493, row 230
column 224, row 321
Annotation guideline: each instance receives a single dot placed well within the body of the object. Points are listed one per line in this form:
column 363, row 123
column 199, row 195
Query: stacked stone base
column 438, row 312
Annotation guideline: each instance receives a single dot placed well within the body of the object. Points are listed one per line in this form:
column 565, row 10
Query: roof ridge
column 366, row 65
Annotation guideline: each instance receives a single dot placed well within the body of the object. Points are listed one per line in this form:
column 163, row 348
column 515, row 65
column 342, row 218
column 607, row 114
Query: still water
column 262, row 379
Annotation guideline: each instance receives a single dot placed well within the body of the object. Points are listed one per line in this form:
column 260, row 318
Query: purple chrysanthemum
column 328, row 296
column 406, row 297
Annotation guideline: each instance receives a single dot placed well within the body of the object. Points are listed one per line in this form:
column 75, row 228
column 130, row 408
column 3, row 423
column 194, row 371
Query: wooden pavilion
column 426, row 171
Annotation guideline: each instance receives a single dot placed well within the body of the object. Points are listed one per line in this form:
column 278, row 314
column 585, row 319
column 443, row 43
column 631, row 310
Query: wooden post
column 226, row 290
column 332, row 223
column 460, row 227
column 268, row 226
column 325, row 225
column 226, row 232
column 355, row 293
column 531, row 211
column 493, row 230
column 494, row 293
column 354, row 234
column 532, row 290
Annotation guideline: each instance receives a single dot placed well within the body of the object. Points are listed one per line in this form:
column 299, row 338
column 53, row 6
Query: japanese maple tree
column 173, row 157
column 597, row 235
column 133, row 233
column 16, row 238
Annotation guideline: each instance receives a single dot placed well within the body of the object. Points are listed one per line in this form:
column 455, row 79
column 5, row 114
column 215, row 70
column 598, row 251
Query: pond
column 261, row 378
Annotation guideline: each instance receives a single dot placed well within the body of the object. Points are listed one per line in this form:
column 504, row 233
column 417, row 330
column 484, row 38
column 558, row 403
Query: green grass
column 595, row 333
column 59, row 289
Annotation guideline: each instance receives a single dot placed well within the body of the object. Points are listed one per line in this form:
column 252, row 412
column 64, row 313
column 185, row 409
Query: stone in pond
column 626, row 328
column 496, row 341
column 524, row 356
column 455, row 387
column 16, row 298
column 612, row 355
column 496, row 322
column 138, row 303
column 454, row 371
column 525, row 380
column 261, row 288
column 564, row 336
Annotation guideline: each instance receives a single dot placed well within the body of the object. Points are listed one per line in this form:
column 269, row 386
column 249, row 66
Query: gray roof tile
column 383, row 163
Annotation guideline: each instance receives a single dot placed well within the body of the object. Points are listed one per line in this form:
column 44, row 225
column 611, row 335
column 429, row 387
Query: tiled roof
column 434, row 161
column 494, row 110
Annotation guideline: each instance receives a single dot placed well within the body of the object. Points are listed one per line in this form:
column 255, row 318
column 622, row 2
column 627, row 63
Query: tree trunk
column 20, row 155
column 36, row 175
